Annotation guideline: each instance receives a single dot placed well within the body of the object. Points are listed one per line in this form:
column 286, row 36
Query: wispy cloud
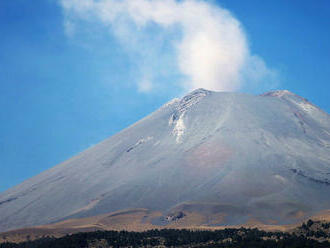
column 208, row 45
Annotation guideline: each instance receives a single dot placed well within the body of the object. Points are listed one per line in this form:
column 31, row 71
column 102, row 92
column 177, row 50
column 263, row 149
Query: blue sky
column 64, row 88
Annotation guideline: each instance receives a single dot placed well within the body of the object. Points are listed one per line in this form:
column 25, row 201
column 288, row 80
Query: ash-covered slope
column 240, row 156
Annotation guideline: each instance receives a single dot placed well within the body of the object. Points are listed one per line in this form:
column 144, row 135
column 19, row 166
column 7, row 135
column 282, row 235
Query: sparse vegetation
column 237, row 238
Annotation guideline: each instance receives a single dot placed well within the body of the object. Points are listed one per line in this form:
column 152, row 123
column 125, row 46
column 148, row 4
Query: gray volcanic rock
column 249, row 157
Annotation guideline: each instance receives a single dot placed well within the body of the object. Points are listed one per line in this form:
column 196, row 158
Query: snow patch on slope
column 306, row 106
column 280, row 178
column 179, row 129
column 140, row 141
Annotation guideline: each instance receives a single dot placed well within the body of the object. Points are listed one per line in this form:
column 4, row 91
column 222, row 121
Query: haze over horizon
column 74, row 72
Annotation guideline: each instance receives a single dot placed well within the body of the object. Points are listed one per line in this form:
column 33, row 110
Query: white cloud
column 145, row 85
column 69, row 28
column 212, row 51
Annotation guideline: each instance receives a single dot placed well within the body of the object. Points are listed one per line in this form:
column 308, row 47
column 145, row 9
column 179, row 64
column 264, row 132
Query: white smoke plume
column 212, row 51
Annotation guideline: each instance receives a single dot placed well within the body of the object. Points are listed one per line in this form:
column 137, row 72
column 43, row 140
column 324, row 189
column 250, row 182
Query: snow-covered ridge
column 191, row 99
column 185, row 103
column 278, row 93
column 301, row 103
column 170, row 103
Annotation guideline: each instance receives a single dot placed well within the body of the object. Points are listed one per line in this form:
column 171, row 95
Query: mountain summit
column 231, row 157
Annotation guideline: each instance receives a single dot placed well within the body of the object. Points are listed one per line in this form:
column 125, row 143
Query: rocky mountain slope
column 235, row 157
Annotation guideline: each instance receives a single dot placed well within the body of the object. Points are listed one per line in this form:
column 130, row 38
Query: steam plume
column 211, row 52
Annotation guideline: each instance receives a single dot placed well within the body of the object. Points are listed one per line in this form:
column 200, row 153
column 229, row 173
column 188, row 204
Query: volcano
column 229, row 157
